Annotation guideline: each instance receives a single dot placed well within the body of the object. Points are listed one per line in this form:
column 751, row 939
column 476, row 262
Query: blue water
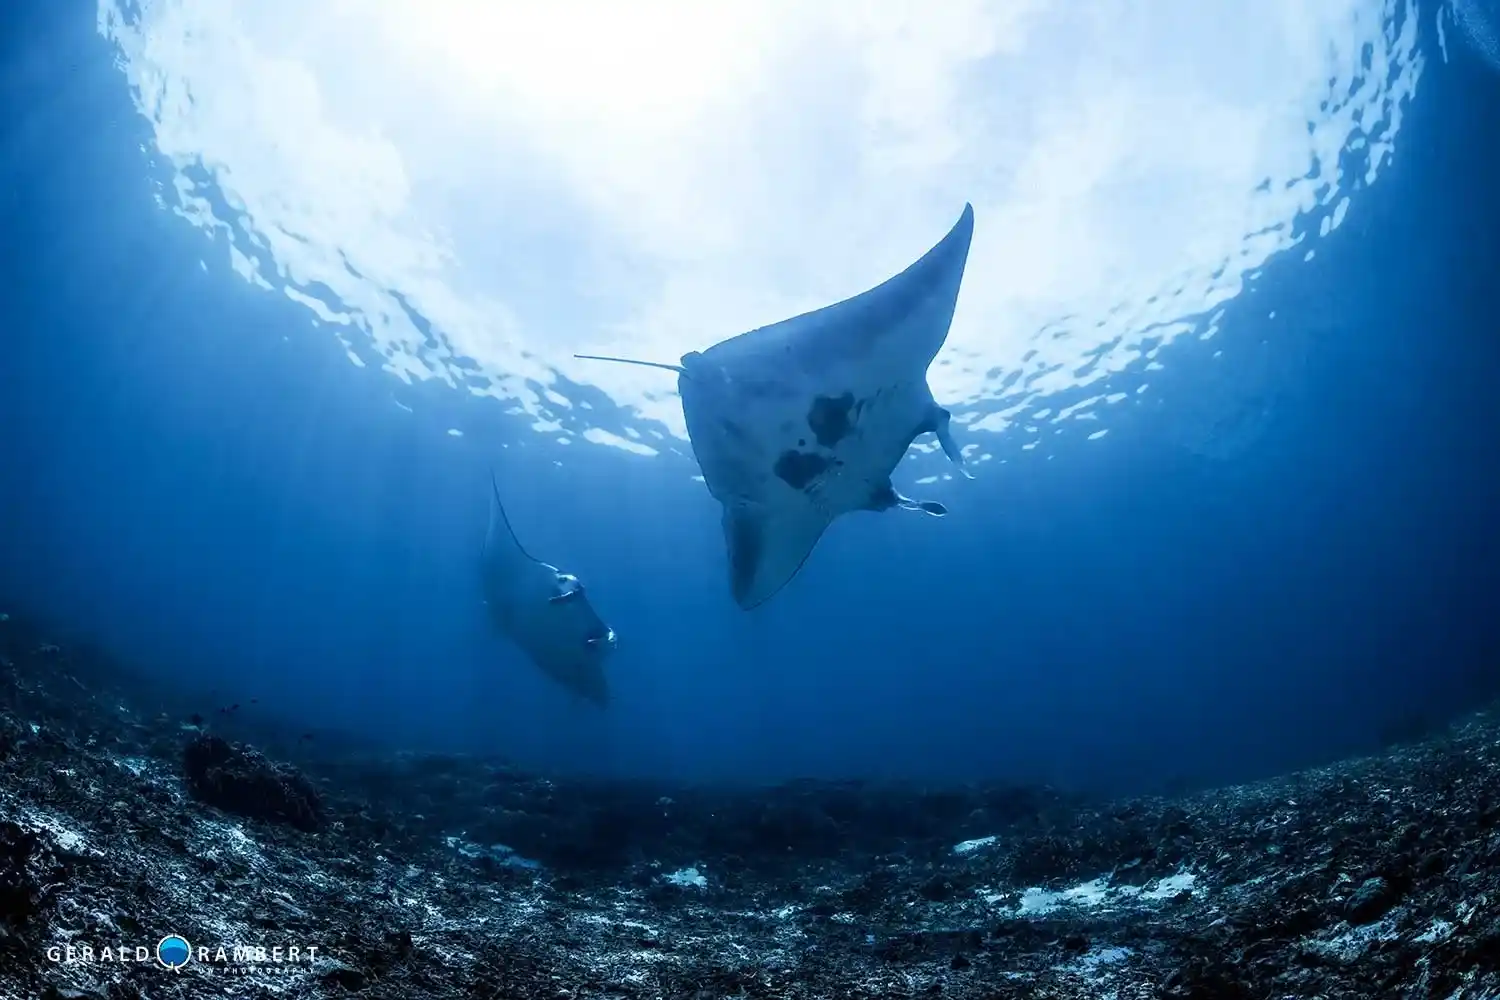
column 1282, row 547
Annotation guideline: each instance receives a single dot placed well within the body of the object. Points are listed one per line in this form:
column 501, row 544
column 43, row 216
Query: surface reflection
column 1479, row 23
column 474, row 193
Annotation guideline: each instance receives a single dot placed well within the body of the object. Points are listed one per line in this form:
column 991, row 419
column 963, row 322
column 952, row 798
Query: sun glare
column 646, row 65
column 535, row 179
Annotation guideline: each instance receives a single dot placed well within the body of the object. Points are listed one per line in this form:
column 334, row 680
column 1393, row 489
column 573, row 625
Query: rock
column 335, row 973
column 240, row 780
column 25, row 874
column 1370, row 901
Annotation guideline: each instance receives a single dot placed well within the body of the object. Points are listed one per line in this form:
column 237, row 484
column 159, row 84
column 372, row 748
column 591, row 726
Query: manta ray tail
column 631, row 361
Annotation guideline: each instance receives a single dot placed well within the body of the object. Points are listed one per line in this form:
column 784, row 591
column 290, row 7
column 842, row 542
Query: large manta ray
column 796, row 423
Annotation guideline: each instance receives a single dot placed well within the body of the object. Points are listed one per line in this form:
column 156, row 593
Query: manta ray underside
column 544, row 611
column 796, row 423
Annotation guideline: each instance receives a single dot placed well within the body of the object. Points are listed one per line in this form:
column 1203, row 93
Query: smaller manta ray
column 544, row 611
column 796, row 423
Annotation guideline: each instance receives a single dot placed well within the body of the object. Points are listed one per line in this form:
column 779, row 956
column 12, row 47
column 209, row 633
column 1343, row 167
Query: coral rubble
column 344, row 873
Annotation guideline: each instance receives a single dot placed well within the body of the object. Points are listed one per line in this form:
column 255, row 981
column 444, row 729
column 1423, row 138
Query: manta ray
column 544, row 611
column 796, row 423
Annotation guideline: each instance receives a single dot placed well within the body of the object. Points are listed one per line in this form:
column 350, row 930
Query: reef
column 301, row 867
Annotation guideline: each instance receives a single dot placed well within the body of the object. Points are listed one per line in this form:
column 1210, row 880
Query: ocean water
column 283, row 282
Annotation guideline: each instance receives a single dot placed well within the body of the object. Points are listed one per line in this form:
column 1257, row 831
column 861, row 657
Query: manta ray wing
column 767, row 545
column 500, row 541
column 796, row 423
column 904, row 320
